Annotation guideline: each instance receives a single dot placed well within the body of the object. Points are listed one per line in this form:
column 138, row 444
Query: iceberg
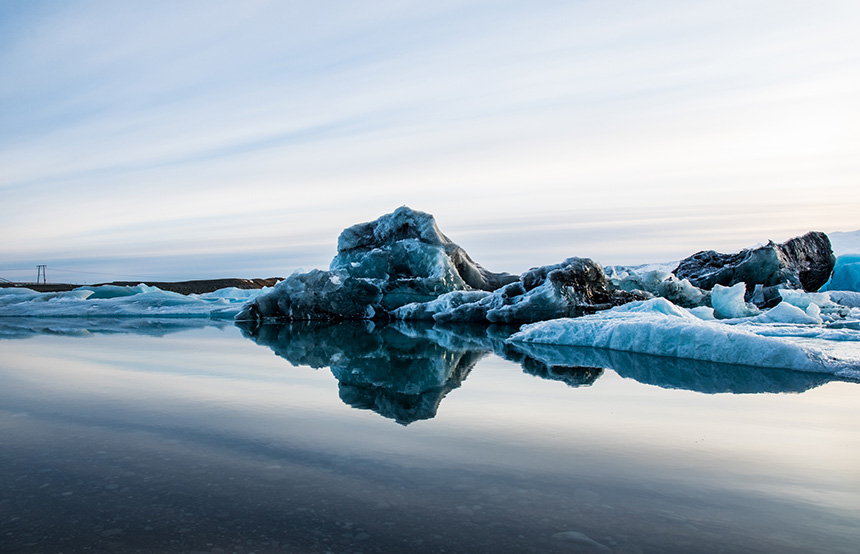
column 397, row 259
column 658, row 327
column 800, row 263
column 400, row 266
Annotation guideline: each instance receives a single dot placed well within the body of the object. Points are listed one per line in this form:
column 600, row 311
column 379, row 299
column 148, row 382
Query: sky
column 183, row 140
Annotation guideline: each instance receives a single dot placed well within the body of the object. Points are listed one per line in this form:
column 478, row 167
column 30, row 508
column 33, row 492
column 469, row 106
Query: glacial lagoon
column 183, row 435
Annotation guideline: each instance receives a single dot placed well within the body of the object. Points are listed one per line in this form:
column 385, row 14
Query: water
column 178, row 436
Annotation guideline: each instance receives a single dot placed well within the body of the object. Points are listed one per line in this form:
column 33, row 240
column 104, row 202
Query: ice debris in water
column 119, row 301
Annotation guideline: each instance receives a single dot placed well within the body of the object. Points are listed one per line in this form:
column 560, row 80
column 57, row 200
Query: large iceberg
column 397, row 259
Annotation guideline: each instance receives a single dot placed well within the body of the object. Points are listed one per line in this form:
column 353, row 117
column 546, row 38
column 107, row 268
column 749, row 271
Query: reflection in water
column 398, row 374
column 202, row 442
column 678, row 373
column 403, row 371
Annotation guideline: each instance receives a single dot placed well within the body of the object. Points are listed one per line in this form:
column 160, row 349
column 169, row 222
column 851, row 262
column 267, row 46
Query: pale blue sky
column 202, row 139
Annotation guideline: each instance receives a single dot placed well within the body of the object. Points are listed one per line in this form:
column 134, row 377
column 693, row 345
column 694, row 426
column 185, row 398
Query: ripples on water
column 174, row 436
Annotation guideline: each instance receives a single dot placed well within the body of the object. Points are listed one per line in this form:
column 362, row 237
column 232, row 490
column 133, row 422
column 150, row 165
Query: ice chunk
column 804, row 300
column 703, row 312
column 785, row 312
column 728, row 302
column 115, row 291
column 845, row 298
column 653, row 306
column 424, row 311
column 674, row 373
column 571, row 288
column 407, row 243
column 657, row 282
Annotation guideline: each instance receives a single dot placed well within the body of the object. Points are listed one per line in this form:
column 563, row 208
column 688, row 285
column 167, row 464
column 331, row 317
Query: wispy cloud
column 289, row 120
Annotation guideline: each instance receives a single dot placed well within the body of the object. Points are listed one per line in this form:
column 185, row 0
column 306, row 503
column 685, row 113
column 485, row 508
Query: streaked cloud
column 159, row 130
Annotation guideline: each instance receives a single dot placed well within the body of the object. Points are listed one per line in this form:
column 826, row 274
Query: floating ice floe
column 658, row 327
column 117, row 301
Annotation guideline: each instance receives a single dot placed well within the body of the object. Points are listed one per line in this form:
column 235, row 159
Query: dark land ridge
column 200, row 286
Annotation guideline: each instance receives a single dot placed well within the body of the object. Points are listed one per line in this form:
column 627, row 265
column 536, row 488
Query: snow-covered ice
column 658, row 327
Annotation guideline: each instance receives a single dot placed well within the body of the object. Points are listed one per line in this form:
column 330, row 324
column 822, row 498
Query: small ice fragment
column 728, row 302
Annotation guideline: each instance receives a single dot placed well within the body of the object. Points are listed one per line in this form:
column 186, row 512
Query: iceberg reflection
column 403, row 371
column 678, row 373
column 391, row 370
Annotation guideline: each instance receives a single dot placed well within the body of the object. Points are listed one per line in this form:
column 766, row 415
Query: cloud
column 287, row 120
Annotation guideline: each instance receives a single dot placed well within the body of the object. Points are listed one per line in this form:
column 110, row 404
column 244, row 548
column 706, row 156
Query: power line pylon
column 42, row 273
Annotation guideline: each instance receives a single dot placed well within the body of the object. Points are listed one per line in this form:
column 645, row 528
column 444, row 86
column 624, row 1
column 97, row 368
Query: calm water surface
column 123, row 436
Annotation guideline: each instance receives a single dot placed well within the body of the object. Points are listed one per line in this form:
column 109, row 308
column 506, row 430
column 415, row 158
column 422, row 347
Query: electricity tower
column 41, row 273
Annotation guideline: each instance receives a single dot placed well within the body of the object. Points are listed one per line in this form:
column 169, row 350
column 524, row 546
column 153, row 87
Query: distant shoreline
column 200, row 286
